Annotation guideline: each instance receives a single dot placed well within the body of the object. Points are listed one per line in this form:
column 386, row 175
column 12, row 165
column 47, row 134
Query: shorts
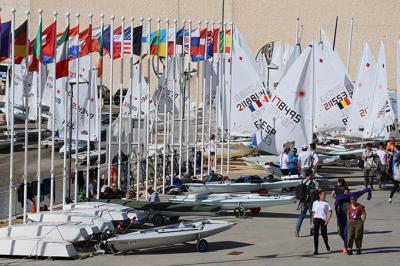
column 212, row 153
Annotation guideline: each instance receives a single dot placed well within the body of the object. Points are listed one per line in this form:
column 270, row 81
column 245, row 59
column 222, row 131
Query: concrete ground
column 268, row 239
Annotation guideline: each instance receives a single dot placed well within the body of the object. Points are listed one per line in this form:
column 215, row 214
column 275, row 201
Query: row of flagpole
column 184, row 114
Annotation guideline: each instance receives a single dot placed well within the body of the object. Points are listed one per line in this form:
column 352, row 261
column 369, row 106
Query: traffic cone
column 33, row 209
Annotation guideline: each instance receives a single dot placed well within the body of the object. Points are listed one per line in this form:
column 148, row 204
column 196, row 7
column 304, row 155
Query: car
column 117, row 96
column 105, row 94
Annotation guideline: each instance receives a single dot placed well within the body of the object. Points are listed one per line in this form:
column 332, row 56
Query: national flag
column 221, row 42
column 48, row 48
column 62, row 57
column 158, row 43
column 178, row 38
column 36, row 50
column 228, row 41
column 216, row 40
column 198, row 44
column 21, row 35
column 344, row 103
column 73, row 42
column 101, row 40
column 137, row 40
column 251, row 107
column 5, row 40
column 118, row 38
column 85, row 41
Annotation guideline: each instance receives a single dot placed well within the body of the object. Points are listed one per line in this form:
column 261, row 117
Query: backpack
column 301, row 192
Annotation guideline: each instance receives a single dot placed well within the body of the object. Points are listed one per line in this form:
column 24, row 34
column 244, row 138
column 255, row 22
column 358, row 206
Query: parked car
column 117, row 96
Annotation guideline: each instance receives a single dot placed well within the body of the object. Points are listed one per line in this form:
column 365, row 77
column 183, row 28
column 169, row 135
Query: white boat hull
column 232, row 201
column 239, row 187
column 168, row 235
column 36, row 247
column 68, row 232
column 65, row 217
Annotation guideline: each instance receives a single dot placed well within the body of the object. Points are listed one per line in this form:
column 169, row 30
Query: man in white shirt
column 315, row 159
column 305, row 160
column 382, row 167
column 284, row 161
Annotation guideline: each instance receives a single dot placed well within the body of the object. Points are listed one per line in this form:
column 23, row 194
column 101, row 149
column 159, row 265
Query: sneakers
column 358, row 252
column 390, row 200
column 315, row 253
column 328, row 248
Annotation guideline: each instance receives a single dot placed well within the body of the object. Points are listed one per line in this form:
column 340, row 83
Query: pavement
column 268, row 239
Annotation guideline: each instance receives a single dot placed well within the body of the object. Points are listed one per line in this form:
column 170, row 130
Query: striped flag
column 61, row 55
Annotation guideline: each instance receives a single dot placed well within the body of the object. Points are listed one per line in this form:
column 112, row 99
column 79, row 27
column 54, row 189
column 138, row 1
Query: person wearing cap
column 284, row 161
column 305, row 160
column 356, row 216
column 293, row 162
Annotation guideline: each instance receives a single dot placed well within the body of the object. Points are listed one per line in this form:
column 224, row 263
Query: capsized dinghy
column 67, row 231
column 136, row 216
column 232, row 187
column 168, row 235
column 156, row 211
column 105, row 225
column 36, row 247
column 233, row 201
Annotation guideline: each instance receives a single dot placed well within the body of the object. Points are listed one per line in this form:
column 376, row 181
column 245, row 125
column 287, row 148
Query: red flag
column 85, row 41
column 48, row 48
column 216, row 40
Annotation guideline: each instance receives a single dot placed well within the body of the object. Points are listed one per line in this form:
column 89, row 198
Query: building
column 259, row 21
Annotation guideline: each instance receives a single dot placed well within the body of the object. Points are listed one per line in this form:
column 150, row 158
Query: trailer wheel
column 202, row 245
column 263, row 192
column 157, row 220
column 255, row 211
column 174, row 219
column 239, row 212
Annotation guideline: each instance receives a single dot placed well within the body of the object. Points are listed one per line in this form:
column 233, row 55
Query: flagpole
column 197, row 101
column 223, row 101
column 89, row 114
column 77, row 77
column 350, row 44
column 111, row 98
column 230, row 103
column 148, row 108
column 165, row 91
column 11, row 95
column 139, row 157
column 40, row 11
column 218, row 89
column 27, row 13
column 209, row 166
column 99, row 119
column 121, row 87
column 173, row 108
column 182, row 105
column 53, row 122
column 189, row 90
column 130, row 106
column 156, row 107
column 204, row 103
column 67, row 15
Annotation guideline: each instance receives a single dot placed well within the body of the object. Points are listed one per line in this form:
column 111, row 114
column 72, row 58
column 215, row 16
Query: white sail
column 381, row 118
column 293, row 57
column 332, row 97
column 335, row 60
column 397, row 90
column 126, row 106
column 247, row 90
column 277, row 66
column 287, row 119
column 364, row 88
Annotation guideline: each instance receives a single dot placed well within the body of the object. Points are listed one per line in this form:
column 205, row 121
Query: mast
column 139, row 116
column 350, row 44
column 100, row 118
column 165, row 91
column 121, row 88
column 77, row 77
column 173, row 109
column 182, row 104
column 130, row 137
column 89, row 119
column 148, row 131
column 39, row 161
column 204, row 105
column 111, row 98
column 197, row 103
column 65, row 124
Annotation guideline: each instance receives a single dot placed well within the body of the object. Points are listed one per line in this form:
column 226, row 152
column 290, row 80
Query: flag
column 101, row 40
column 137, row 40
column 178, row 39
column 62, row 57
column 158, row 43
column 5, row 40
column 216, row 40
column 228, row 41
column 221, row 42
column 344, row 103
column 201, row 40
column 21, row 35
column 73, row 41
column 48, row 48
column 36, row 49
column 118, row 38
column 85, row 41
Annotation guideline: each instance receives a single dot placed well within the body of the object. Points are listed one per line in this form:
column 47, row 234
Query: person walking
column 396, row 172
column 321, row 213
column 212, row 150
column 293, row 162
column 369, row 157
column 304, row 160
column 314, row 158
column 284, row 161
column 356, row 218
column 381, row 171
column 341, row 211
column 304, row 193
